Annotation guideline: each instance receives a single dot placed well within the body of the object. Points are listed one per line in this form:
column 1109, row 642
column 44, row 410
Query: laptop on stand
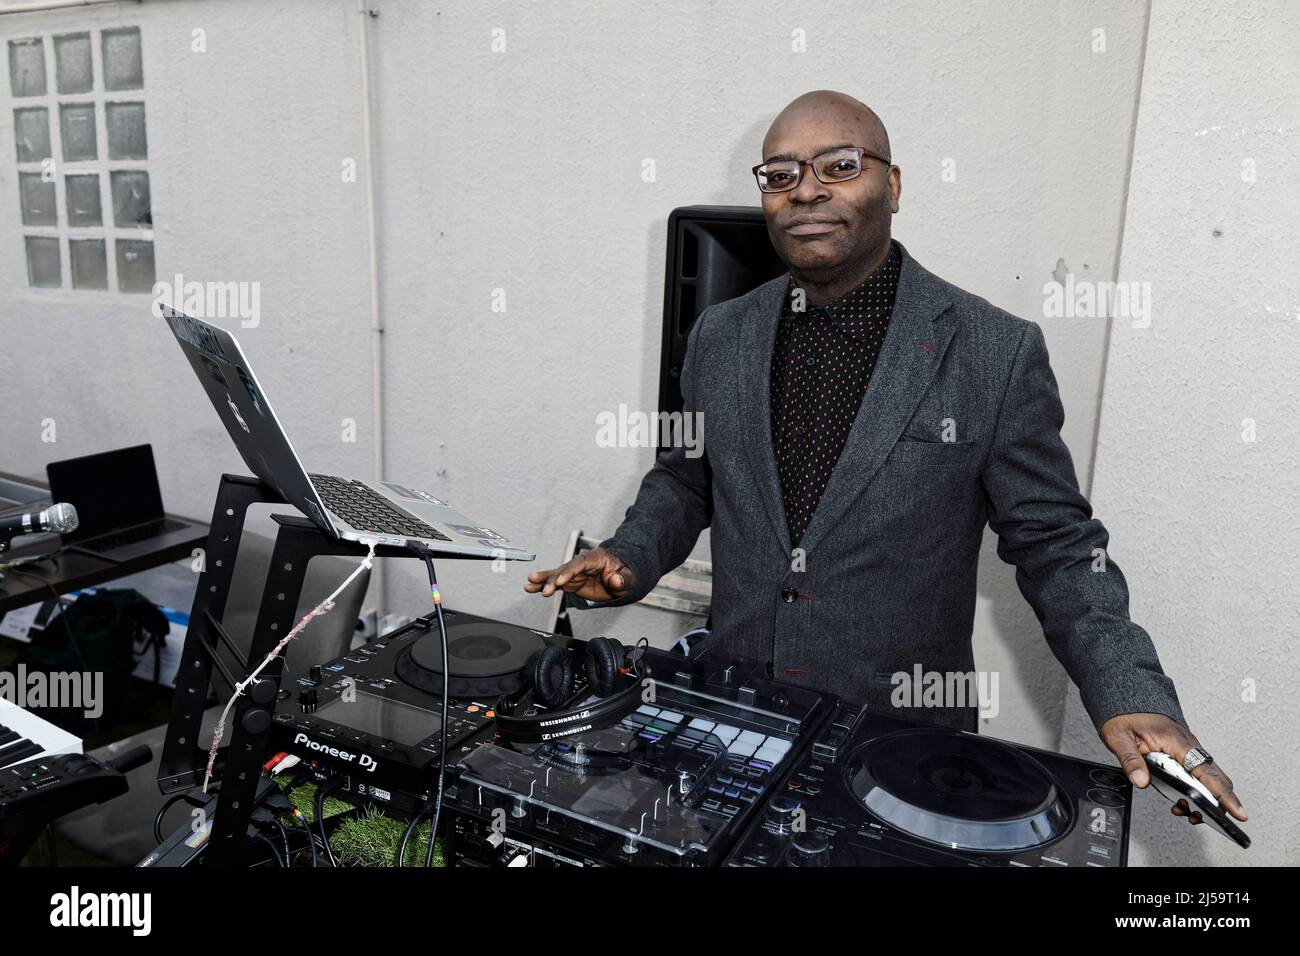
column 353, row 509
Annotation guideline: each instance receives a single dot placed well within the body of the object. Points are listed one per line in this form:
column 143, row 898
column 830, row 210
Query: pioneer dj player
column 877, row 790
column 370, row 721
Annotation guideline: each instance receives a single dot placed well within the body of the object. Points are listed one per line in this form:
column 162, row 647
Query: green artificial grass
column 303, row 797
column 372, row 839
column 368, row 838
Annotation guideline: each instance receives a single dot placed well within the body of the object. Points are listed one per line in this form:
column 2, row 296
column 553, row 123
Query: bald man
column 866, row 421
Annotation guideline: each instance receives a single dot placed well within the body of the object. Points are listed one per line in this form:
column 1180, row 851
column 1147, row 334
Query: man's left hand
column 1129, row 736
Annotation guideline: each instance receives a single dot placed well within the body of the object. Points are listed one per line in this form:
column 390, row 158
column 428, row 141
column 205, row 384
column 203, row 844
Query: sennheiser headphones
column 550, row 673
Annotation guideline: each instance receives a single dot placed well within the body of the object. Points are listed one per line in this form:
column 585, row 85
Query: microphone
column 60, row 518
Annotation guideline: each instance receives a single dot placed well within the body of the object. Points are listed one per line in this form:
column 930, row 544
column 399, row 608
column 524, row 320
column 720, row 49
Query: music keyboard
column 24, row 736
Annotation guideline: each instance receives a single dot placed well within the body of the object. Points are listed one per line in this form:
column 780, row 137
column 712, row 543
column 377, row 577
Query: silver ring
column 1195, row 757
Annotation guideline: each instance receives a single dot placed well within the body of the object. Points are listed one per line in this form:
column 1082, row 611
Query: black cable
column 311, row 837
column 62, row 615
column 406, row 835
column 314, row 845
column 32, row 558
column 321, row 794
column 274, row 852
column 442, row 747
column 278, row 803
column 284, row 835
column 300, row 776
column 427, row 556
column 167, row 805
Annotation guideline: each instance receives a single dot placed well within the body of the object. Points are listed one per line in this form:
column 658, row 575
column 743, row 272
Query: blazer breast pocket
column 940, row 455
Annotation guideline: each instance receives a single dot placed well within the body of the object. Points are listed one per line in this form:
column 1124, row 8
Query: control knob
column 782, row 812
column 810, row 848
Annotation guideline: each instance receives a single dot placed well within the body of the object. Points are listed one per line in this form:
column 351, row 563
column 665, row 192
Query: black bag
column 97, row 634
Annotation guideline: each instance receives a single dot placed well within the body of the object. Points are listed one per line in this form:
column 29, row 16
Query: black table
column 75, row 570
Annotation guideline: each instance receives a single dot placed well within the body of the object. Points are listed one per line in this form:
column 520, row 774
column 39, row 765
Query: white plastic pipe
column 372, row 248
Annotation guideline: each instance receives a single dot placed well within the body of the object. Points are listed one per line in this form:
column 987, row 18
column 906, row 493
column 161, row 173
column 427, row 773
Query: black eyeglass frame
column 862, row 151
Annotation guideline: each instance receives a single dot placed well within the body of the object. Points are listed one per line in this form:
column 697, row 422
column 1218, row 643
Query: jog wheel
column 959, row 791
column 486, row 659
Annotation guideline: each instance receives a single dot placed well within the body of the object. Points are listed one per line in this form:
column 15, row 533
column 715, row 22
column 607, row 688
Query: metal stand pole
column 185, row 754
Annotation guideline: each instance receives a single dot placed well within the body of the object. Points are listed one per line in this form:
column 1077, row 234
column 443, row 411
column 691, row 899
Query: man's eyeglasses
column 834, row 166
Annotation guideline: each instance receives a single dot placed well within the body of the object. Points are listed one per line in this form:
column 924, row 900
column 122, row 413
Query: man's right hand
column 595, row 575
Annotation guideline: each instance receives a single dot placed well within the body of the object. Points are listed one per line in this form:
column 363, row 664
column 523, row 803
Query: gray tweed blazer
column 959, row 428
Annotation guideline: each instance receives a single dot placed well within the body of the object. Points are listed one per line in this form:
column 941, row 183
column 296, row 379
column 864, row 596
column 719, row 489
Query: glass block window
column 76, row 72
column 84, row 208
column 32, row 134
column 78, row 132
column 126, row 136
column 27, row 67
column 43, row 268
column 90, row 264
column 122, row 61
column 81, row 148
column 37, row 200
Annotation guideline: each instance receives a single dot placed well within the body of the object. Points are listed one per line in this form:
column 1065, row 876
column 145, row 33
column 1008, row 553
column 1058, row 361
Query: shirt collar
column 881, row 286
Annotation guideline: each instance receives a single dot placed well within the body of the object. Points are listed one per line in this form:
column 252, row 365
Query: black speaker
column 715, row 253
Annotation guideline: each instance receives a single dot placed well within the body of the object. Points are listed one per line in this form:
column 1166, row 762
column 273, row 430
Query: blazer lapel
column 910, row 356
column 757, row 338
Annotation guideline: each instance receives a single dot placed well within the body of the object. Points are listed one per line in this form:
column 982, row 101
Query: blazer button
column 789, row 595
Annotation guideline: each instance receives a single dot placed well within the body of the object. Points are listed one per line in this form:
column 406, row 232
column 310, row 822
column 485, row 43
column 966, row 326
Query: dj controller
column 716, row 765
column 876, row 790
column 672, row 784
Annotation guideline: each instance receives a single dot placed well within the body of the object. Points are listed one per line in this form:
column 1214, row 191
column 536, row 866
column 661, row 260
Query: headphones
column 550, row 674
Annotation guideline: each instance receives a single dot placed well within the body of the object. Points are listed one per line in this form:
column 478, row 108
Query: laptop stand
column 239, row 764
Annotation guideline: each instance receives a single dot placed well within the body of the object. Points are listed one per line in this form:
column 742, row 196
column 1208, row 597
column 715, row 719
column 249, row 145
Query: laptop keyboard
column 142, row 532
column 367, row 510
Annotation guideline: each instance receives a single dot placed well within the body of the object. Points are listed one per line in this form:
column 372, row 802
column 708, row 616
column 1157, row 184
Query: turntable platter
column 486, row 659
column 958, row 790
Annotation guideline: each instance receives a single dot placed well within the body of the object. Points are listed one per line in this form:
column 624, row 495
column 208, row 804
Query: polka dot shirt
column 821, row 365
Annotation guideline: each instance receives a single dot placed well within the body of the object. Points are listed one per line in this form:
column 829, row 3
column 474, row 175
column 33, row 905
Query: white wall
column 582, row 95
column 245, row 142
column 521, row 171
column 539, row 152
column 1205, row 522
